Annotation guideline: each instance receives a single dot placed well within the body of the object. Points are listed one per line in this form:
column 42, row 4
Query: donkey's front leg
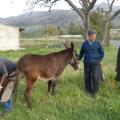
column 53, row 87
column 28, row 96
column 28, row 91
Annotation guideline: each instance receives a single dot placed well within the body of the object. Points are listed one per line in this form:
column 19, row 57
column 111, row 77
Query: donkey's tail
column 19, row 65
column 18, row 71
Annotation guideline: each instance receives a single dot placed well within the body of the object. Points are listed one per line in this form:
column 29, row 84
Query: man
column 7, row 80
column 118, row 66
column 93, row 53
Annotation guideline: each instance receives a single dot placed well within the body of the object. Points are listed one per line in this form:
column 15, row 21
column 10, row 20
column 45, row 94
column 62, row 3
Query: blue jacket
column 6, row 66
column 92, row 53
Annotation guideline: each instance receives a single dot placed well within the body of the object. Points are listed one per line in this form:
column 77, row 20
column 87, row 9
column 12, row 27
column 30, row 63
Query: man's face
column 92, row 37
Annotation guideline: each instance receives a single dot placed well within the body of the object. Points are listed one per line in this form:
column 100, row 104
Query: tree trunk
column 86, row 24
column 105, row 36
column 106, row 30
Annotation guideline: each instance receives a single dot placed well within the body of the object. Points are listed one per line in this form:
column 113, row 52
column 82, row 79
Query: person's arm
column 118, row 55
column 118, row 59
column 4, row 71
column 2, row 80
column 101, row 51
column 81, row 52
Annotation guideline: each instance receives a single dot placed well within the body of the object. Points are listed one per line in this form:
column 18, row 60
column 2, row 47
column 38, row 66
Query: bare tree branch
column 83, row 12
column 110, row 10
column 108, row 18
column 32, row 4
column 88, row 2
column 46, row 3
column 75, row 8
column 81, row 3
column 110, row 5
column 91, row 5
column 52, row 4
column 115, row 14
column 85, row 5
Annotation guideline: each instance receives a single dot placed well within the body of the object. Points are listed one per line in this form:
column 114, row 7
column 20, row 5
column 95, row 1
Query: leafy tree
column 75, row 29
column 53, row 30
column 60, row 31
column 97, row 22
column 109, row 17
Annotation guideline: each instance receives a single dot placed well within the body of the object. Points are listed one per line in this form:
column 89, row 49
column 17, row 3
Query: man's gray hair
column 92, row 31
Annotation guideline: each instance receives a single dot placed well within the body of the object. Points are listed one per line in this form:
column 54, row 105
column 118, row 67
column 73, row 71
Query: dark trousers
column 117, row 78
column 91, row 76
column 118, row 66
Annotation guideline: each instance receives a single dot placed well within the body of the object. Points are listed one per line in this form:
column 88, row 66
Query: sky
column 16, row 7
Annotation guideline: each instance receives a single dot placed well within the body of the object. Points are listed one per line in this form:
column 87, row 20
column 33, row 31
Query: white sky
column 16, row 7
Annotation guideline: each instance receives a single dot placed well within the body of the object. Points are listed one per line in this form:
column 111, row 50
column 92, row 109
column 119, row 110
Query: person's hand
column 78, row 61
column 1, row 87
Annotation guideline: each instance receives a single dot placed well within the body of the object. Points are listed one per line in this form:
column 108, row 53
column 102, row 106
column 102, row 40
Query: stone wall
column 9, row 37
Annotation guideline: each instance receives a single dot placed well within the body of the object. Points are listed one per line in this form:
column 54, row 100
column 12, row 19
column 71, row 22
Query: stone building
column 9, row 37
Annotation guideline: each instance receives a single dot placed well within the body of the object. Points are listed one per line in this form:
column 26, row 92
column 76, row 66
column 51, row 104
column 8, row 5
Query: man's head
column 92, row 35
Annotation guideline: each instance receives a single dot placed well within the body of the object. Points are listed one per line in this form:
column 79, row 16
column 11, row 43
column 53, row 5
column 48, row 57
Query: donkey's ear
column 66, row 44
column 72, row 45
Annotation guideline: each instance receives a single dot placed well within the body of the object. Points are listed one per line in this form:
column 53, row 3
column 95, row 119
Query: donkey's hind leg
column 53, row 87
column 28, row 91
column 49, row 85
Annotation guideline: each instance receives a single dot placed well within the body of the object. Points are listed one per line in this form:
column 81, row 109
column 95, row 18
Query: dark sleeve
column 81, row 52
column 118, row 56
column 3, row 69
column 101, row 51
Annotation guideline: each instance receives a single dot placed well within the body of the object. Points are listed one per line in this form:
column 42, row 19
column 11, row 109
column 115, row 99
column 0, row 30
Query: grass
column 117, row 37
column 70, row 101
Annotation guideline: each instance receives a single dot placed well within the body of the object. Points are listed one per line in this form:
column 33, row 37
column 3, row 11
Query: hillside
column 37, row 20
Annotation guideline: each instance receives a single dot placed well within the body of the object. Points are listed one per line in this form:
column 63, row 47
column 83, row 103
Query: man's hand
column 4, row 77
column 78, row 61
column 1, row 87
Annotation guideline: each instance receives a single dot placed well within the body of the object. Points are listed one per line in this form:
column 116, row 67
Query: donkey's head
column 73, row 62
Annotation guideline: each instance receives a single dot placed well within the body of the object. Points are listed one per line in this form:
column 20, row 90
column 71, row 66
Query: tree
column 59, row 29
column 109, row 16
column 84, row 12
column 75, row 29
column 53, row 30
column 98, row 23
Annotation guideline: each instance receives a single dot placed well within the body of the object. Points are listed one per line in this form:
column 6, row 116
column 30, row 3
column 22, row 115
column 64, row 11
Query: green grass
column 117, row 37
column 70, row 101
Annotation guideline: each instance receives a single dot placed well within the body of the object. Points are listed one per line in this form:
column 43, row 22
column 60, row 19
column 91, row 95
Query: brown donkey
column 45, row 67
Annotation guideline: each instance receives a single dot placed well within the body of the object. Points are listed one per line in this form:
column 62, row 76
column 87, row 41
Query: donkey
column 45, row 67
